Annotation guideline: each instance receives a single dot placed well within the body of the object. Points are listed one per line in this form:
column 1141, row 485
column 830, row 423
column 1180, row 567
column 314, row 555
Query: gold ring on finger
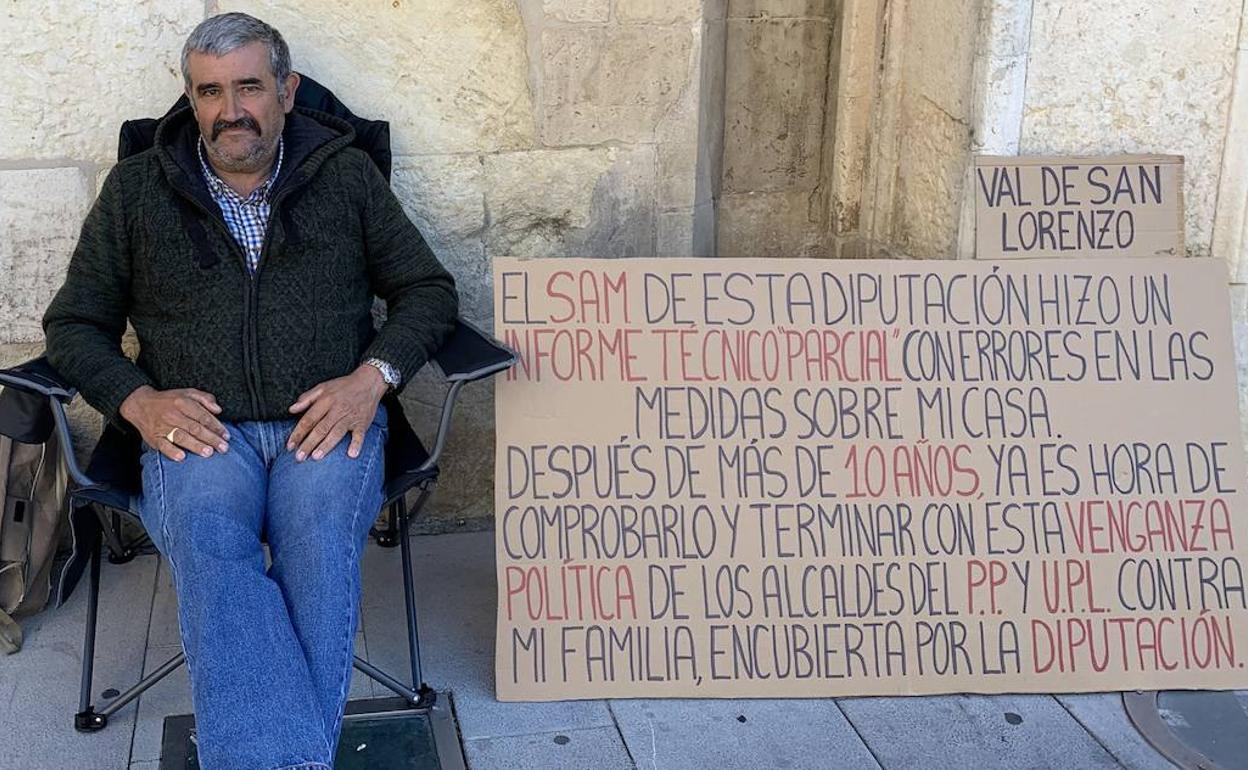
column 169, row 435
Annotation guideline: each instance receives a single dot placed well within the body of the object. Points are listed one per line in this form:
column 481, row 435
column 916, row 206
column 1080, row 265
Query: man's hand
column 334, row 408
column 186, row 414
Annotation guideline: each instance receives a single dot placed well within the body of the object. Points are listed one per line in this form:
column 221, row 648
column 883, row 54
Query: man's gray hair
column 218, row 35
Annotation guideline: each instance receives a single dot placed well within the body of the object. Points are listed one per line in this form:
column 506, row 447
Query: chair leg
column 118, row 553
column 144, row 684
column 387, row 681
column 427, row 695
column 389, row 537
column 110, row 530
column 87, row 720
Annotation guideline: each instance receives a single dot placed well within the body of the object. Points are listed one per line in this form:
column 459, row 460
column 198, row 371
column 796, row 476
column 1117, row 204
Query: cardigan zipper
column 251, row 344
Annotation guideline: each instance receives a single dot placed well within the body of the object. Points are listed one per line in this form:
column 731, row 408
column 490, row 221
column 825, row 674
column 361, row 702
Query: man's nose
column 232, row 108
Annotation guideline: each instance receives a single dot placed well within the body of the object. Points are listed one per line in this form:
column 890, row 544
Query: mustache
column 243, row 122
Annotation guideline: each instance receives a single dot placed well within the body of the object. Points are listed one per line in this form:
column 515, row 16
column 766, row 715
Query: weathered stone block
column 1004, row 96
column 658, row 11
column 677, row 137
column 573, row 202
column 85, row 66
column 444, row 196
column 771, row 224
column 704, row 220
column 1239, row 326
column 1159, row 80
column 41, row 213
column 464, row 498
column 776, row 80
column 678, row 169
column 1230, row 229
column 101, row 173
column 443, row 192
column 710, row 164
column 576, row 11
column 940, row 53
column 12, row 354
column 447, row 82
column 675, row 234
column 780, row 9
column 932, row 162
column 611, row 83
column 848, row 137
column 1008, row 30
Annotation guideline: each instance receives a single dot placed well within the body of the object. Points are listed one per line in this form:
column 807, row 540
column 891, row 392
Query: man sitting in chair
column 245, row 248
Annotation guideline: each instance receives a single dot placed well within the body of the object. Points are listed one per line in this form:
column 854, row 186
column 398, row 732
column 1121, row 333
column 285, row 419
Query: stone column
column 776, row 76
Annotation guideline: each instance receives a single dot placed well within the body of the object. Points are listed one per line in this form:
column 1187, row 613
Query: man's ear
column 292, row 85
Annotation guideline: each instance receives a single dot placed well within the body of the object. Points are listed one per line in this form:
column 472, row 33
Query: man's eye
column 251, row 89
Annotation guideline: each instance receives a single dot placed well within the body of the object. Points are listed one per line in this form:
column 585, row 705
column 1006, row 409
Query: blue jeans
column 269, row 650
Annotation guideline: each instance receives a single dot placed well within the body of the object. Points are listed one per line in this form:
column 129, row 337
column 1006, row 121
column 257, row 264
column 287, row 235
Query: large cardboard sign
column 724, row 477
column 1116, row 206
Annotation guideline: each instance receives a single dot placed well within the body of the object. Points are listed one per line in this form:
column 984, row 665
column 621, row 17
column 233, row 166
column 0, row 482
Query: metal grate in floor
column 382, row 734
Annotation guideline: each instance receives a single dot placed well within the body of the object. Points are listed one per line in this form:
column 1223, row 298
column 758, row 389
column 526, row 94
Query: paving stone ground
column 138, row 630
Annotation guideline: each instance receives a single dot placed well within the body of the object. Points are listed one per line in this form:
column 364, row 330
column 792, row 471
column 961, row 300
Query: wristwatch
column 388, row 372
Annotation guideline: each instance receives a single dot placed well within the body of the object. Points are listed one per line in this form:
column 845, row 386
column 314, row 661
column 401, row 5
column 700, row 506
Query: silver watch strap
column 389, row 372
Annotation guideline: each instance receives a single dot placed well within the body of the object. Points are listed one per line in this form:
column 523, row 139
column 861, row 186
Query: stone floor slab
column 454, row 579
column 39, row 685
column 455, row 603
column 171, row 695
column 739, row 734
column 592, row 749
column 961, row 731
column 362, row 685
column 1103, row 715
column 164, row 631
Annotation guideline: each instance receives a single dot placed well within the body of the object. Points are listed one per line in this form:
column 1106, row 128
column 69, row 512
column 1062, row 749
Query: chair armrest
column 470, row 354
column 38, row 376
column 32, row 405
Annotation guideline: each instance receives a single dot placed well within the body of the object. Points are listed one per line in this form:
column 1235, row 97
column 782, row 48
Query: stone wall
column 920, row 175
column 922, row 87
column 776, row 64
column 900, row 114
column 1134, row 76
column 1138, row 76
column 945, row 81
column 614, row 128
column 520, row 127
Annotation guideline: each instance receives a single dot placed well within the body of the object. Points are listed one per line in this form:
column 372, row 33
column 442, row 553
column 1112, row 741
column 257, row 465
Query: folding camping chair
column 32, row 404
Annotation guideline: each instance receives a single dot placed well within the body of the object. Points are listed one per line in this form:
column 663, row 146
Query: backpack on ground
column 34, row 515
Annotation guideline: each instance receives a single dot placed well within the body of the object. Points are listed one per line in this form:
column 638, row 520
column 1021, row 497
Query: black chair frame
column 98, row 503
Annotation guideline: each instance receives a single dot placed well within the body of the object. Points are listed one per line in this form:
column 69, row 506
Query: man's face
column 236, row 103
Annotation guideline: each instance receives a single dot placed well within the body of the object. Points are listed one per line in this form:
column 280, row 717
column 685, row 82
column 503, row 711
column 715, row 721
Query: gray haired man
column 246, row 248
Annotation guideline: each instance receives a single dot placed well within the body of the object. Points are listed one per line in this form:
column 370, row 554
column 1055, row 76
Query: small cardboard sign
column 780, row 478
column 1116, row 206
